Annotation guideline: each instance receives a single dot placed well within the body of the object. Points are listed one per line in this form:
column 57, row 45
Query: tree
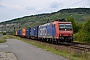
column 71, row 19
column 83, row 34
column 86, row 26
column 86, row 29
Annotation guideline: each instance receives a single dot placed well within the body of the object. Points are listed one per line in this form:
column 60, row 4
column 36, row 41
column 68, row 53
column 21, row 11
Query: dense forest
column 80, row 18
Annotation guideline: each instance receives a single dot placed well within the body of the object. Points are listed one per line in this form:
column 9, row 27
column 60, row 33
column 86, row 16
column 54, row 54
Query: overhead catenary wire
column 71, row 4
column 76, row 3
column 68, row 3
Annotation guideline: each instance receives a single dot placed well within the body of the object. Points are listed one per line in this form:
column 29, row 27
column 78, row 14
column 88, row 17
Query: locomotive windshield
column 65, row 27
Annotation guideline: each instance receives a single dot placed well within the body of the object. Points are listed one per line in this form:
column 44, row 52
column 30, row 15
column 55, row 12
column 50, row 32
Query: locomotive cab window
column 68, row 26
column 65, row 27
column 61, row 26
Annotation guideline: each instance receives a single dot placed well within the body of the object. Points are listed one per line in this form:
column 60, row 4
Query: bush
column 83, row 34
column 82, row 37
column 4, row 33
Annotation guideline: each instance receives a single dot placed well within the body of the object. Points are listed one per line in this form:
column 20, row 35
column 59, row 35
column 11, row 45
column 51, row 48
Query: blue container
column 20, row 32
column 34, row 31
column 28, row 32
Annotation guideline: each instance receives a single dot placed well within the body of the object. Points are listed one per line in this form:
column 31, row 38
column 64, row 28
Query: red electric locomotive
column 64, row 31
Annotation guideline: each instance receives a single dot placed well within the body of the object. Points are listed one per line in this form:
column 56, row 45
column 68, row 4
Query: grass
column 67, row 53
column 3, row 39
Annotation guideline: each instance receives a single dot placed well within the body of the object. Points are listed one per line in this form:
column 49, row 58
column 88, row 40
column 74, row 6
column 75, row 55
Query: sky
column 11, row 9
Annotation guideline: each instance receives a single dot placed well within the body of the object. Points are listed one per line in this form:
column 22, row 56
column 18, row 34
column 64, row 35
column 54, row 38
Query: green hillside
column 80, row 15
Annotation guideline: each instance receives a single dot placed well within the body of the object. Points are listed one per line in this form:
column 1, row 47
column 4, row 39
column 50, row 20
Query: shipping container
column 20, row 32
column 34, row 32
column 28, row 31
column 23, row 32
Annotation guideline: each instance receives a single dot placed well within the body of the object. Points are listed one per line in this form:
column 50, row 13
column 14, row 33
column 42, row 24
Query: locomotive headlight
column 57, row 37
column 60, row 34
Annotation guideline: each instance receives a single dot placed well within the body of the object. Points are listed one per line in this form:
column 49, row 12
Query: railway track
column 72, row 45
column 79, row 46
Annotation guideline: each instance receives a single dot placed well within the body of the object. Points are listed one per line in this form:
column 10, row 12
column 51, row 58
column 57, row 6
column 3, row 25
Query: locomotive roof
column 62, row 22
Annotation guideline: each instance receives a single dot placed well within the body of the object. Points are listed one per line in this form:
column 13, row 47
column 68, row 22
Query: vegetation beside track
column 67, row 53
column 83, row 34
column 3, row 39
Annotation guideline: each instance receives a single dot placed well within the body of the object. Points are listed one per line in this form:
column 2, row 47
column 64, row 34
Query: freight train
column 54, row 32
